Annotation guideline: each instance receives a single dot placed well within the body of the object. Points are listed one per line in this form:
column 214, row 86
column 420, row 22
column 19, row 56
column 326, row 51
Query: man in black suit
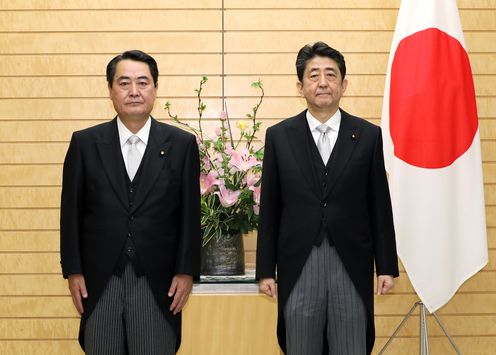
column 130, row 220
column 325, row 217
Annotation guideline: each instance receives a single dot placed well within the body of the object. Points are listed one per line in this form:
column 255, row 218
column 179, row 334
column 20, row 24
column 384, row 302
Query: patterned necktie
column 133, row 157
column 323, row 143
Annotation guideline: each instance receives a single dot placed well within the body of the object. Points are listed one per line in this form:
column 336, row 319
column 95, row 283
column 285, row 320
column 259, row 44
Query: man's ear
column 344, row 84
column 299, row 87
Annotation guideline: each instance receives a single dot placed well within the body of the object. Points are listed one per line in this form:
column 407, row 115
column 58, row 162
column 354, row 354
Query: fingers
column 77, row 287
column 268, row 287
column 384, row 284
column 180, row 288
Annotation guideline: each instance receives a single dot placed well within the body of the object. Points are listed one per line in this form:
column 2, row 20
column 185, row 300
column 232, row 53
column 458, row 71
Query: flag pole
column 424, row 336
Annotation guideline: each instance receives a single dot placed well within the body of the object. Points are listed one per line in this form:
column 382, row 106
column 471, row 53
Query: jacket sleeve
column 386, row 260
column 189, row 244
column 71, row 210
column 270, row 212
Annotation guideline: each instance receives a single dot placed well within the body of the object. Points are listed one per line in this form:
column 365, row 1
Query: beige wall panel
column 95, row 64
column 489, row 150
column 50, row 152
column 283, row 64
column 365, row 107
column 63, row 109
column 480, row 41
column 314, row 4
column 230, row 322
column 61, row 130
column 32, row 153
column 487, row 128
column 285, row 85
column 108, row 4
column 30, row 197
column 29, row 241
column 42, row 131
column 489, row 172
column 30, row 175
column 484, row 281
column 484, row 85
column 490, row 194
column 89, row 87
column 310, row 19
column 357, row 63
column 439, row 345
column 477, row 19
column 358, row 85
column 291, row 42
column 349, row 41
column 35, row 285
column 110, row 42
column 491, row 237
column 318, row 19
column 491, row 216
column 36, row 307
column 40, row 347
column 479, row 325
column 404, row 346
column 39, row 328
column 336, row 4
column 466, row 303
column 111, row 20
column 29, row 219
column 30, row 263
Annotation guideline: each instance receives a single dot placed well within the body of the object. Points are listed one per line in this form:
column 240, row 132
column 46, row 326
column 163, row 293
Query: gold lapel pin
column 353, row 136
column 162, row 153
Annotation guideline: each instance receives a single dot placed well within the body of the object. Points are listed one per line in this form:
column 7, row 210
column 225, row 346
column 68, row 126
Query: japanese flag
column 432, row 151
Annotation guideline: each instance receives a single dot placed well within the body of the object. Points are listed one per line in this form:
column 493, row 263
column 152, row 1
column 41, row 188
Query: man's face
column 133, row 92
column 322, row 84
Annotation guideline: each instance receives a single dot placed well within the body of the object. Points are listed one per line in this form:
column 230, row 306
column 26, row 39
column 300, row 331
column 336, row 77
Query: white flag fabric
column 432, row 151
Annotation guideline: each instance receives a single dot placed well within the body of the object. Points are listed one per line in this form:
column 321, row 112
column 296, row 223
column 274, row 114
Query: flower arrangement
column 230, row 171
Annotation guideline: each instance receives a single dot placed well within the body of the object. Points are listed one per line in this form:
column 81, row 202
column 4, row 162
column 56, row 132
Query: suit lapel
column 348, row 137
column 298, row 140
column 156, row 154
column 111, row 156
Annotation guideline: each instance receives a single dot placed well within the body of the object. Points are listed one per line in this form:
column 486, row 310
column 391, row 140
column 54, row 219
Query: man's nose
column 322, row 80
column 133, row 91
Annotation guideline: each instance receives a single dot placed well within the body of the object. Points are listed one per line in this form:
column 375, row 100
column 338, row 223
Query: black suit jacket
column 164, row 221
column 356, row 208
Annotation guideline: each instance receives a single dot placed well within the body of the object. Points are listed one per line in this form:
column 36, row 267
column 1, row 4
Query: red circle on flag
column 432, row 109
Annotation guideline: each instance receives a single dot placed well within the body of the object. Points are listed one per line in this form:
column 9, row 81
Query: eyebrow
column 124, row 77
column 325, row 69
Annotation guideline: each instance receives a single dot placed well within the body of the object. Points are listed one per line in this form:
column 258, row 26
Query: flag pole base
column 424, row 337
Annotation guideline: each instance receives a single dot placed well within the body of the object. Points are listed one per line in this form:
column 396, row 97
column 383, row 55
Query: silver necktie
column 323, row 143
column 133, row 157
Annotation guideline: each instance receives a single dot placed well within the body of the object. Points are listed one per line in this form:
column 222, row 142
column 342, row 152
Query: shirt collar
column 125, row 133
column 333, row 122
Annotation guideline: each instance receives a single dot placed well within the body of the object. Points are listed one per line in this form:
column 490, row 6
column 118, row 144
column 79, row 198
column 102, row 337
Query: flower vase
column 224, row 256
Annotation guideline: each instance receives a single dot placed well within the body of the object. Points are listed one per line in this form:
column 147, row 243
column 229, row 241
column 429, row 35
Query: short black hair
column 318, row 49
column 137, row 56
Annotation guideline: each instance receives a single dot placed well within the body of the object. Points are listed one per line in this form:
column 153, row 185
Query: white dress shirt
column 125, row 133
column 333, row 123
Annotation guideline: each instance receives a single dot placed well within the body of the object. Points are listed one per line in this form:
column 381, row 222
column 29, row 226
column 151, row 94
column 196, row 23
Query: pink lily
column 243, row 161
column 207, row 182
column 227, row 197
column 256, row 193
column 251, row 178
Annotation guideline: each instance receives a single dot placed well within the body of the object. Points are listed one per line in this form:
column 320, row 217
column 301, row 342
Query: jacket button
column 324, row 204
column 131, row 218
column 129, row 235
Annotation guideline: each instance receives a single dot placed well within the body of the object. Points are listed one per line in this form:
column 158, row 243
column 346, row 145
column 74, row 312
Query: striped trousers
column 324, row 301
column 128, row 321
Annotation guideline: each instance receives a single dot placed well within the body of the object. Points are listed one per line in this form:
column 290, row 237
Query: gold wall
column 53, row 55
